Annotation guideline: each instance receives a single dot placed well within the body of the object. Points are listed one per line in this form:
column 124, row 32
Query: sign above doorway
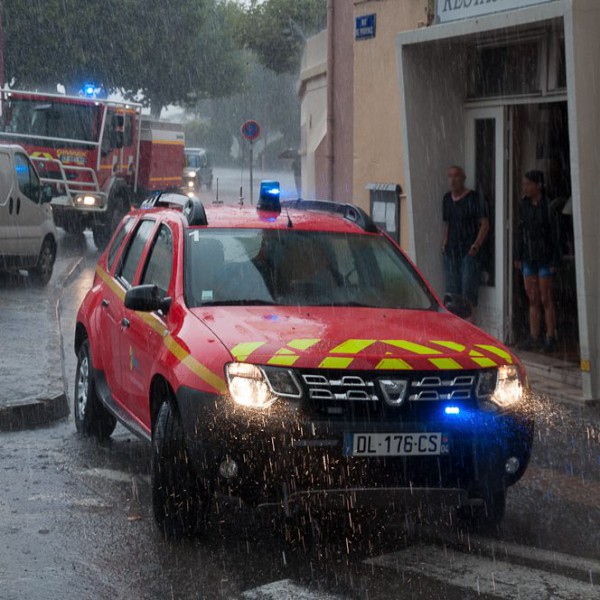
column 454, row 10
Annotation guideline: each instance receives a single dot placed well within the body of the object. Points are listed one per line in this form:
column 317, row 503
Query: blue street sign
column 365, row 27
column 251, row 130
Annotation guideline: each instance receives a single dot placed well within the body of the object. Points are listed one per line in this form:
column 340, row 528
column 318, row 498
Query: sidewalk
column 32, row 388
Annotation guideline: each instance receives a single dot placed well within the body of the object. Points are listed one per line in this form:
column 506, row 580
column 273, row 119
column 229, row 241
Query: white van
column 27, row 230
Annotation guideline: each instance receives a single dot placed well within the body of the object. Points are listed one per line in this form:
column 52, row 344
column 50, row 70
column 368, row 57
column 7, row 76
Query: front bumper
column 282, row 454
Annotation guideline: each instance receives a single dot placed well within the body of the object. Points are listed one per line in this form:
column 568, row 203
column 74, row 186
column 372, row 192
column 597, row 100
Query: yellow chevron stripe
column 484, row 362
column 335, row 362
column 497, row 351
column 445, row 363
column 284, row 360
column 242, row 351
column 412, row 347
column 449, row 345
column 393, row 364
column 352, row 346
column 303, row 344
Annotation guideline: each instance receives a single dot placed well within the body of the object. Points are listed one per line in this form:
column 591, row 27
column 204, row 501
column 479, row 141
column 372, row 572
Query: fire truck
column 98, row 156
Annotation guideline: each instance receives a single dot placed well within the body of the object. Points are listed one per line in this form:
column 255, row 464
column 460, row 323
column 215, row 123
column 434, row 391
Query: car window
column 159, row 267
column 135, row 250
column 121, row 234
column 5, row 176
column 27, row 178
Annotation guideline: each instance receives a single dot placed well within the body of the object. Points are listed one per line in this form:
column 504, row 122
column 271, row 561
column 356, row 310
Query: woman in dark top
column 537, row 256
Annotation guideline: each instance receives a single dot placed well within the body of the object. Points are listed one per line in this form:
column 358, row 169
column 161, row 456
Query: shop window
column 509, row 70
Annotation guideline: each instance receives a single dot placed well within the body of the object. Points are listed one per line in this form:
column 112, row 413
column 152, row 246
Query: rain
column 298, row 299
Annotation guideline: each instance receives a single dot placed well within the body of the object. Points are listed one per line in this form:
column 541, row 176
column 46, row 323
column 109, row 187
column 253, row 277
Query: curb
column 37, row 411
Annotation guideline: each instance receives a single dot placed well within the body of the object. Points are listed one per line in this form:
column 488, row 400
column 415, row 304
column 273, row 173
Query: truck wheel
column 74, row 225
column 91, row 417
column 179, row 502
column 118, row 207
column 42, row 272
column 487, row 517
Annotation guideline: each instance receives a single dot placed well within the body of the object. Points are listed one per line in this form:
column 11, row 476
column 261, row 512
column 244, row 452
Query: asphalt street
column 75, row 518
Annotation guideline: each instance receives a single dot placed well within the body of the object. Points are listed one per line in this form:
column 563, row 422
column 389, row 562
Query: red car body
column 135, row 353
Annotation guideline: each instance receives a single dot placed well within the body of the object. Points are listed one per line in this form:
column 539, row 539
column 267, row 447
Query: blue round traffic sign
column 251, row 130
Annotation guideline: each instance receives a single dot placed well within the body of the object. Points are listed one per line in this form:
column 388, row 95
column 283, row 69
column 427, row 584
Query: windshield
column 299, row 268
column 46, row 118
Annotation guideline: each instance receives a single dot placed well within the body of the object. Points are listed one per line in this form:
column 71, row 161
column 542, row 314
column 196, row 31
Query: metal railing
column 71, row 186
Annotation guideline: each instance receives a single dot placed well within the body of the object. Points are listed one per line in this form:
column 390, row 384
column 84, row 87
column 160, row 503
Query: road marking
column 285, row 590
column 486, row 576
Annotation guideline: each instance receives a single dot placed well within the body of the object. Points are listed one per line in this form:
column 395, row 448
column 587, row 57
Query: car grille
column 340, row 394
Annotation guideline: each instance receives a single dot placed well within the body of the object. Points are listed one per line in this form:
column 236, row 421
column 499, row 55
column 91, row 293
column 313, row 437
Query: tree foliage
column 158, row 52
column 277, row 29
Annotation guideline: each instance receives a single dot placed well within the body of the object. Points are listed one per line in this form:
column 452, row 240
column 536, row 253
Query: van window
column 27, row 178
column 5, row 176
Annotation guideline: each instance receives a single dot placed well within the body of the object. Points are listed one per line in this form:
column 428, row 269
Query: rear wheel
column 91, row 416
column 180, row 502
column 42, row 272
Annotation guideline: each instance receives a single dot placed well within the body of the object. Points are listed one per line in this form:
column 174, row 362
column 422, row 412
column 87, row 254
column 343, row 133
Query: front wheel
column 118, row 207
column 179, row 501
column 91, row 417
column 42, row 272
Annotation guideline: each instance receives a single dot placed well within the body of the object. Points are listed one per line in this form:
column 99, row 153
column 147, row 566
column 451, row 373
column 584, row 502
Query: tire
column 74, row 225
column 42, row 272
column 91, row 416
column 179, row 502
column 487, row 517
column 118, row 207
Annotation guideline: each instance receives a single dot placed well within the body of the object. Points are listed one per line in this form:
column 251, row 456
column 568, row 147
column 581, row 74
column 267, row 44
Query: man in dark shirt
column 466, row 226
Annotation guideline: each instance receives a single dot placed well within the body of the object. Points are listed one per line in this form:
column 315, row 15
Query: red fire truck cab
column 89, row 150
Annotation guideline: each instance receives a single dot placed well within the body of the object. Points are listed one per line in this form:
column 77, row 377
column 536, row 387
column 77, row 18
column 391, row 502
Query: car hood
column 352, row 338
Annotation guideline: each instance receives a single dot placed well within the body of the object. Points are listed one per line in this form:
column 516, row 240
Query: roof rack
column 348, row 211
column 165, row 200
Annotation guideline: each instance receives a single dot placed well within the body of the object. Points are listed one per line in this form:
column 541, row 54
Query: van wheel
column 42, row 272
column 179, row 502
column 91, row 416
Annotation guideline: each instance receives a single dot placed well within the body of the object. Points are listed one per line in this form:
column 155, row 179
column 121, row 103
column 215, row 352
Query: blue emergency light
column 452, row 410
column 89, row 89
column 270, row 194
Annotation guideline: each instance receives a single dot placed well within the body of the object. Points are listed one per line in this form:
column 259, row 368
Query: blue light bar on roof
column 270, row 196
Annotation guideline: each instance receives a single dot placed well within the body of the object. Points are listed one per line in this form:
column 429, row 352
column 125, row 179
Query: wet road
column 75, row 522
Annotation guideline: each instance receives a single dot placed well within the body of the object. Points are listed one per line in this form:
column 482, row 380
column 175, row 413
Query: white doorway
column 486, row 166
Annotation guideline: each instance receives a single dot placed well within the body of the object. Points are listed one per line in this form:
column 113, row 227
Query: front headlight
column 257, row 387
column 89, row 201
column 501, row 386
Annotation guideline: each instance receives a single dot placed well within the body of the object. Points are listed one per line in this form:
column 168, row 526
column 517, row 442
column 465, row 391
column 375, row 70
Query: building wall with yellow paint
column 378, row 151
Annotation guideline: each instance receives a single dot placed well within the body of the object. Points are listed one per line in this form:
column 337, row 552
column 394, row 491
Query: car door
column 28, row 212
column 8, row 234
column 143, row 337
column 114, row 308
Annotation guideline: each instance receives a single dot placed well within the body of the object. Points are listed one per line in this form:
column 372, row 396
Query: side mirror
column 458, row 305
column 146, row 298
column 46, row 194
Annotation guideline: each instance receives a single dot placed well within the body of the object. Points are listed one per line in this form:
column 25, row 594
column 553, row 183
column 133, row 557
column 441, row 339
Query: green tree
column 277, row 29
column 158, row 52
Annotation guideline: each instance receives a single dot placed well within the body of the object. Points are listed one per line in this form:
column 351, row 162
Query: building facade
column 327, row 107
column 503, row 88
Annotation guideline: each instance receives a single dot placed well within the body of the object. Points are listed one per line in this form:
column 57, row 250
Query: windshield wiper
column 240, row 303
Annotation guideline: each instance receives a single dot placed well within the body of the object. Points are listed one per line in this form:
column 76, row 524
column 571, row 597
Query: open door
column 486, row 160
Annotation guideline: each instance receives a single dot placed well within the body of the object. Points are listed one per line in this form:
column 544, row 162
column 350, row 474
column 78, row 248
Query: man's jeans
column 463, row 276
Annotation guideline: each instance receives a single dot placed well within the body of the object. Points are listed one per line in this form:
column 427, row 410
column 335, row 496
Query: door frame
column 493, row 300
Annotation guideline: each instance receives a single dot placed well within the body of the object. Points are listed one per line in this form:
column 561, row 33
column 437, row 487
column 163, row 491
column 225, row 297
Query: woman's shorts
column 536, row 269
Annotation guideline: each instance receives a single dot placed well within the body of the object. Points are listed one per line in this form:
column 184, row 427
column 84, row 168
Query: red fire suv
column 291, row 351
